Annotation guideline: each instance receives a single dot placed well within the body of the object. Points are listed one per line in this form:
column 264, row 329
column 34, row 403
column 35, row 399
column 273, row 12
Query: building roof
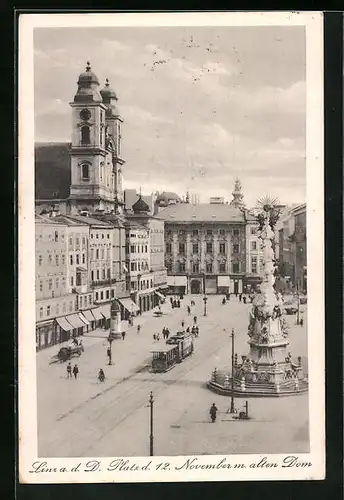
column 52, row 170
column 91, row 221
column 166, row 196
column 42, row 219
column 202, row 212
column 140, row 206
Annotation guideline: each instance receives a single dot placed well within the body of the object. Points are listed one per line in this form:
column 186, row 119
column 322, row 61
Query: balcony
column 104, row 282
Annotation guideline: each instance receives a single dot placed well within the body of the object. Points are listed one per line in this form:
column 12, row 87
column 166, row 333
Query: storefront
column 87, row 314
column 65, row 329
column 223, row 285
column 77, row 324
column 98, row 317
column 251, row 282
column 128, row 308
column 177, row 285
column 46, row 334
column 210, row 285
column 105, row 311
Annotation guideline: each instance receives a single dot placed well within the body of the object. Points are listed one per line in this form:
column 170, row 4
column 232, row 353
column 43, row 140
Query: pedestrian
column 236, row 295
column 240, row 297
column 138, row 328
column 178, row 303
column 189, row 310
column 75, row 371
column 301, row 322
column 101, row 375
column 192, row 302
column 188, row 330
column 154, row 337
column 196, row 331
column 109, row 353
column 158, row 337
column 183, row 323
column 69, row 370
column 213, row 410
column 244, row 299
column 195, row 320
column 167, row 333
column 123, row 335
column 171, row 300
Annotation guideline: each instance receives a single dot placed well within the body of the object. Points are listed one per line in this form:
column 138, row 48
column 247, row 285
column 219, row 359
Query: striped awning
column 129, row 305
column 63, row 323
column 75, row 321
column 160, row 295
column 97, row 314
column 105, row 311
column 88, row 315
column 83, row 318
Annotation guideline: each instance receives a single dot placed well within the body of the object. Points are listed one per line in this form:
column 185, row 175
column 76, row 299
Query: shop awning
column 160, row 295
column 75, row 321
column 177, row 280
column 129, row 305
column 223, row 281
column 83, row 318
column 97, row 314
column 88, row 315
column 105, row 310
column 63, row 323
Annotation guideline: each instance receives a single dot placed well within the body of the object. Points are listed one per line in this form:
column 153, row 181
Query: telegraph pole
column 151, row 436
column 232, row 396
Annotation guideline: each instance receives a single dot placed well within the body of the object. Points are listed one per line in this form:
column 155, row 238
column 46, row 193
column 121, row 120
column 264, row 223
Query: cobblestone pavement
column 85, row 418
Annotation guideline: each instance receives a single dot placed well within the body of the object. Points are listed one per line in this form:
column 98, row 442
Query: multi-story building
column 205, row 248
column 53, row 300
column 300, row 246
column 157, row 278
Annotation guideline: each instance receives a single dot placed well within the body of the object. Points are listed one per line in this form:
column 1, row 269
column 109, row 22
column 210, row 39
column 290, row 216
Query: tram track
column 106, row 418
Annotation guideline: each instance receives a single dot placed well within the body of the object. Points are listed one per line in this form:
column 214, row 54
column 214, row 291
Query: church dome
column 88, row 85
column 140, row 206
column 88, row 77
column 107, row 92
column 167, row 197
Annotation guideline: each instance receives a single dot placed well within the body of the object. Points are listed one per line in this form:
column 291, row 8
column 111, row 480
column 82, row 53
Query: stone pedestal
column 116, row 326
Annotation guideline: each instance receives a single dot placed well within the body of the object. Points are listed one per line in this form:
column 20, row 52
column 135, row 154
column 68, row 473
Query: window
column 40, row 260
column 108, row 273
column 253, row 230
column 102, row 253
column 78, row 279
column 195, row 248
column 132, row 248
column 139, row 266
column 48, row 310
column 181, row 267
column 50, row 259
column 92, row 275
column 132, row 266
column 56, row 236
column 71, row 241
column 85, row 172
column 71, row 281
column 77, row 259
column 195, row 267
column 107, row 294
column 57, row 309
column 209, row 267
column 108, row 236
column 235, row 267
column 84, row 240
column 209, row 248
column 57, row 283
column 71, row 259
column 83, row 258
column 169, row 267
column 146, row 248
column 63, row 258
column 222, row 267
column 132, row 285
column 101, row 295
column 85, row 135
column 97, row 253
column 97, row 296
column 195, row 232
column 103, row 274
column 77, row 242
column 50, row 282
column 103, row 236
column 236, row 232
column 222, row 232
column 151, row 283
column 235, row 248
column 222, row 248
column 41, row 286
column 92, row 236
column 64, row 307
column 92, row 253
column 254, row 265
column 168, row 248
column 209, row 232
column 97, row 236
column 97, row 274
column 182, row 248
column 41, row 312
column 253, row 245
column 112, row 293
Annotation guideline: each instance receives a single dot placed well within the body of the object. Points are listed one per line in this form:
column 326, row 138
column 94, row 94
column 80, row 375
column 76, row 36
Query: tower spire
column 238, row 196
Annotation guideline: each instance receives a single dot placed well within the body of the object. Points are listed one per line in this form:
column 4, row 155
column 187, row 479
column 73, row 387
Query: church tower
column 238, row 196
column 95, row 181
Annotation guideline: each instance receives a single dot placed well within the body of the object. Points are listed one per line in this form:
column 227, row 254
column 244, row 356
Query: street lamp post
column 232, row 408
column 205, row 305
column 298, row 304
column 151, row 436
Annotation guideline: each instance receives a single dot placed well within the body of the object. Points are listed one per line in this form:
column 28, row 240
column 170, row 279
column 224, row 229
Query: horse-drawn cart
column 67, row 353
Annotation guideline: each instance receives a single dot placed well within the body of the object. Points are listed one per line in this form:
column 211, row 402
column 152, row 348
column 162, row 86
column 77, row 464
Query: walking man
column 195, row 320
column 123, row 335
column 183, row 323
column 189, row 310
column 75, row 371
column 109, row 353
column 69, row 370
column 138, row 328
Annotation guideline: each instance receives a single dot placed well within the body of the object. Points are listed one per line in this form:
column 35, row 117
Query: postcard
column 171, row 247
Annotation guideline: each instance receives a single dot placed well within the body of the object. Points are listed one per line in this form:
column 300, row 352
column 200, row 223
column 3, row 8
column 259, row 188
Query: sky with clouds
column 201, row 105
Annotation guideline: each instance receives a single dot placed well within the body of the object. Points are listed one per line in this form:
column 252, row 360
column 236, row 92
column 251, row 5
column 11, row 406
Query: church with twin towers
column 209, row 247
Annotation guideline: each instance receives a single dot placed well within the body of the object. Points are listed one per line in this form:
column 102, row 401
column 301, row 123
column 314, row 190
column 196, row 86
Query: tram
column 177, row 348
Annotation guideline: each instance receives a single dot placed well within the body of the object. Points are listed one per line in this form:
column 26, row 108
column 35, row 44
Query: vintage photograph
column 171, row 241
